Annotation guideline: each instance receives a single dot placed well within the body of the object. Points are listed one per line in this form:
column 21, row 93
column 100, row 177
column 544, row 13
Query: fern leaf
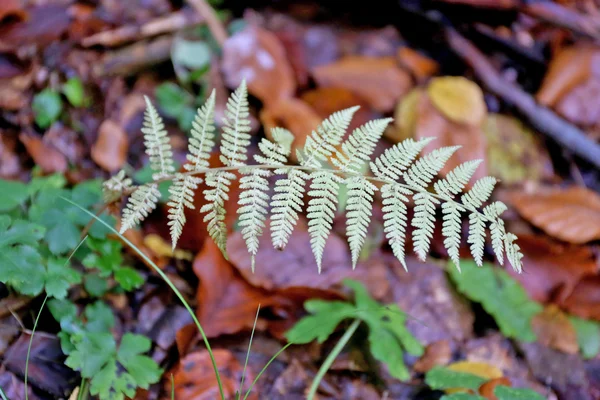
column 286, row 205
column 215, row 206
column 394, row 225
column 236, row 125
column 451, row 229
column 422, row 172
column 322, row 142
column 394, row 161
column 113, row 188
column 477, row 236
column 321, row 210
column 424, row 222
column 254, row 198
column 157, row 143
column 513, row 252
column 360, row 145
column 359, row 205
column 456, row 179
column 202, row 136
column 182, row 195
column 141, row 202
column 480, row 192
column 497, row 231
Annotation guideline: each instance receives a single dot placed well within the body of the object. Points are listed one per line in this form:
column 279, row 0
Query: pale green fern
column 326, row 161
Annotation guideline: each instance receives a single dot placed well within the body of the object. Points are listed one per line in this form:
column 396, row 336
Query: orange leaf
column 421, row 66
column 110, row 149
column 258, row 56
column 377, row 80
column 487, row 389
column 571, row 214
column 47, row 157
column 554, row 329
column 458, row 98
column 584, row 301
column 226, row 302
column 481, row 369
column 436, row 353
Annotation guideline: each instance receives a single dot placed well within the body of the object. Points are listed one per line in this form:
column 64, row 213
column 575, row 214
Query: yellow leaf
column 458, row 98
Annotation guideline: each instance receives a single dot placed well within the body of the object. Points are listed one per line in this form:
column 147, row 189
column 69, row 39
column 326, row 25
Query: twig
column 140, row 55
column 564, row 17
column 216, row 27
column 130, row 33
column 538, row 116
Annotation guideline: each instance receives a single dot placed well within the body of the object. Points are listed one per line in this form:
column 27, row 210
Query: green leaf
column 143, row 369
column 99, row 316
column 74, row 92
column 106, row 256
column 14, row 193
column 59, row 277
column 93, row 350
column 588, row 336
column 172, row 99
column 95, row 285
column 462, row 396
column 62, row 308
column 46, row 106
column 128, row 278
column 500, row 295
column 509, row 393
column 441, row 378
column 326, row 316
column 190, row 54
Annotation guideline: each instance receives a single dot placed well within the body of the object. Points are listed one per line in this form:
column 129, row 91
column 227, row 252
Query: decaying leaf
column 458, row 98
column 379, row 81
column 257, row 55
column 110, row 149
column 436, row 354
column 419, row 65
column 570, row 214
column 553, row 328
column 47, row 157
column 584, row 301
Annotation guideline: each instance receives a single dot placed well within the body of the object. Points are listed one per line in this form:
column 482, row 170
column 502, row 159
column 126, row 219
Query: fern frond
column 113, row 188
column 513, row 252
column 254, row 198
column 480, row 192
column 477, row 236
column 358, row 207
column 202, row 136
column 451, row 229
column 286, row 204
column 422, row 172
column 157, row 143
column 456, row 179
column 215, row 206
column 394, row 161
column 141, row 202
column 360, row 145
column 394, row 225
column 424, row 222
column 182, row 190
column 497, row 231
column 236, row 125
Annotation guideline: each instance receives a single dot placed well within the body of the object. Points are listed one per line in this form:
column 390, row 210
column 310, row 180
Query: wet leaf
column 111, row 147
column 570, row 214
column 46, row 106
column 458, row 98
column 379, row 81
column 588, row 336
column 554, row 329
column 257, row 55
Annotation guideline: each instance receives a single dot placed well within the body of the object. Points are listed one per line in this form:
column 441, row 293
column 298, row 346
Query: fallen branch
column 556, row 14
column 538, row 116
column 135, row 57
column 216, row 27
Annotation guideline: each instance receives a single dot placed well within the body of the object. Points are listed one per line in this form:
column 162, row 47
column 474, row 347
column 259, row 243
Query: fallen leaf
column 10, row 166
column 552, row 269
column 405, row 116
column 553, row 328
column 584, row 300
column 161, row 248
column 256, row 55
column 578, row 105
column 419, row 65
column 294, row 115
column 436, row 354
column 46, row 157
column 570, row 214
column 194, row 377
column 569, row 68
column 293, row 381
column 379, row 81
column 110, row 149
column 226, row 302
column 487, row 389
column 14, row 388
column 12, row 9
column 458, row 98
column 514, row 153
column 480, row 369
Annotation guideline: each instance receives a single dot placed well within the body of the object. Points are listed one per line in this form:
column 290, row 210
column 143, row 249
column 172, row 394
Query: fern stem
column 347, row 174
column 331, row 358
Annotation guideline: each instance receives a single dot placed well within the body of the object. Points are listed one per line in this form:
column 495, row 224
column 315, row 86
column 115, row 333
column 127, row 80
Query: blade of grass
column 38, row 318
column 172, row 387
column 248, row 352
column 83, row 390
column 265, row 368
column 169, row 283
column 2, row 395
column 331, row 358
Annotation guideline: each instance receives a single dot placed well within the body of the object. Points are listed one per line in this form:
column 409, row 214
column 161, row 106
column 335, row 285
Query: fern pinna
column 325, row 162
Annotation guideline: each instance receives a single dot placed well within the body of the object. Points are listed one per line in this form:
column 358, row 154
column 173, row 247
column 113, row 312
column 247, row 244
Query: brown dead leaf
column 436, row 354
column 569, row 68
column 570, row 214
column 553, row 328
column 484, row 370
column 110, row 149
column 579, row 105
column 584, row 300
column 12, row 9
column 257, row 55
column 487, row 389
column 10, row 166
column 294, row 115
column 421, row 66
column 195, row 379
column 226, row 303
column 458, row 98
column 46, row 157
column 379, row 81
column 514, row 152
column 551, row 269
